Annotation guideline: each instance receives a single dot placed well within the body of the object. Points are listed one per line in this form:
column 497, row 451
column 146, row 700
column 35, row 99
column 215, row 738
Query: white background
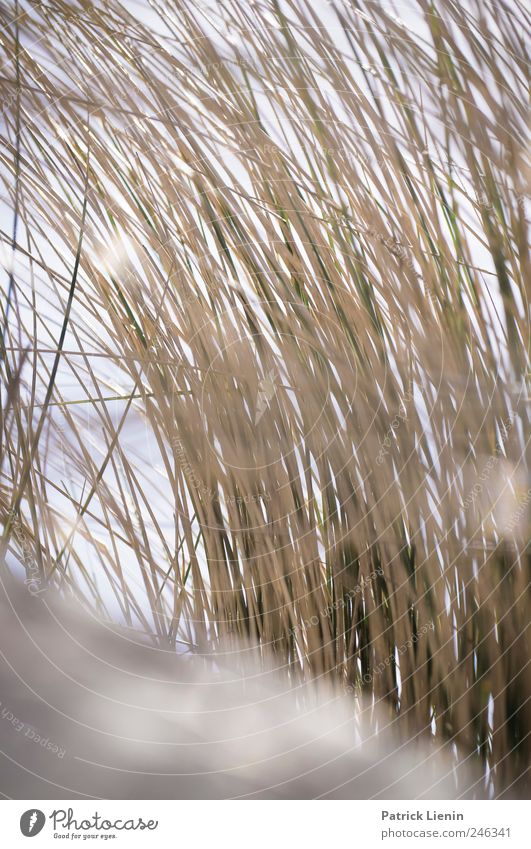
column 273, row 824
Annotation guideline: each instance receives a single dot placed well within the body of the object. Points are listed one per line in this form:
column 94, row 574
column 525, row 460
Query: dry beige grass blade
column 304, row 284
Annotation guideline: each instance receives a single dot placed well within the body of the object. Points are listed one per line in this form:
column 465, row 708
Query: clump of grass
column 268, row 268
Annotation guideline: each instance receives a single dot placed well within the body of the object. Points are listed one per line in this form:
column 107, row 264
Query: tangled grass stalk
column 265, row 352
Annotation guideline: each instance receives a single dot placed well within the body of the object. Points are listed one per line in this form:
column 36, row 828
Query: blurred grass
column 322, row 193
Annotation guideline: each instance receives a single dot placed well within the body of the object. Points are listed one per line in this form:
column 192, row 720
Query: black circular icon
column 31, row 822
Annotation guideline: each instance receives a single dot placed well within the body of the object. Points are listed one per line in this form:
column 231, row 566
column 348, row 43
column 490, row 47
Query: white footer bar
column 265, row 824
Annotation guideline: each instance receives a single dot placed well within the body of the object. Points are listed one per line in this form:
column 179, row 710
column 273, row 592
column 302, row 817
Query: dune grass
column 266, row 339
